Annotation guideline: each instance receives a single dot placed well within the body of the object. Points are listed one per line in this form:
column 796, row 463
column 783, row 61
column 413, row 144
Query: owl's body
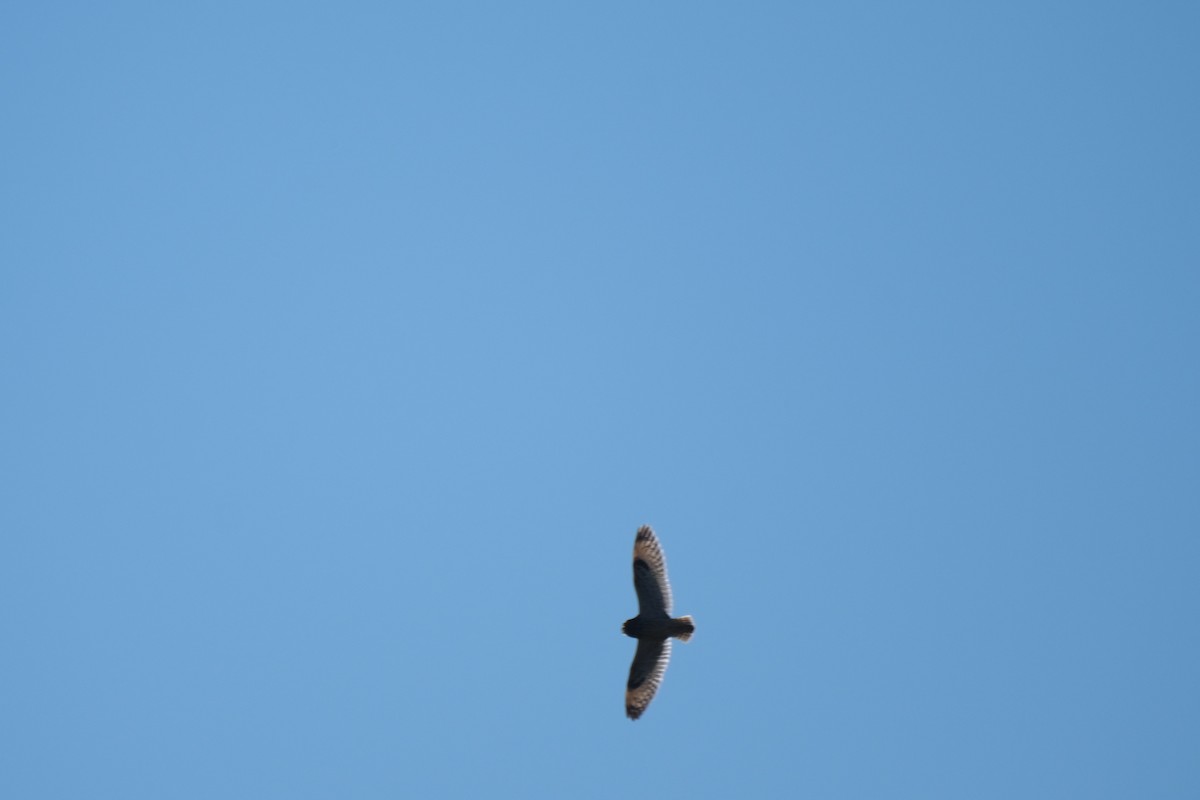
column 658, row 628
column 653, row 627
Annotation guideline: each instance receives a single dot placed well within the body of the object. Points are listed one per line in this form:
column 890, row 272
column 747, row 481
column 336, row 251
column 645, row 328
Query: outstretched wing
column 650, row 575
column 645, row 674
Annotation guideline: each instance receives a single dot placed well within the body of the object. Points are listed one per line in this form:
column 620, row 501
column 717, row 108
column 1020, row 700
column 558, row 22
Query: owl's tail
column 682, row 628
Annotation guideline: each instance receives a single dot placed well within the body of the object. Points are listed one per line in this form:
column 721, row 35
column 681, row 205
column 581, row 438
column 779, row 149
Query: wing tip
column 636, row 705
column 647, row 548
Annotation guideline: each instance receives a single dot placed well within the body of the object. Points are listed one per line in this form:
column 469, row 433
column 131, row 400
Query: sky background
column 345, row 347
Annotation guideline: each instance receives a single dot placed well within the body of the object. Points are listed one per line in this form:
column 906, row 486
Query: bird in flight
column 653, row 627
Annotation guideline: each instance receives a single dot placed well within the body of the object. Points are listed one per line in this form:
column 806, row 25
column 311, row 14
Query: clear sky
column 345, row 346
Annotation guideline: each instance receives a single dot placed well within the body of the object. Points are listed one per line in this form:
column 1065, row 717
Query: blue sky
column 346, row 346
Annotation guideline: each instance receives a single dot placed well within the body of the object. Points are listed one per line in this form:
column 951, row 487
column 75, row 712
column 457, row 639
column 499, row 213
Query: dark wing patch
column 650, row 575
column 645, row 674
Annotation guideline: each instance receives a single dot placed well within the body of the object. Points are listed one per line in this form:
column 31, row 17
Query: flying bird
column 653, row 627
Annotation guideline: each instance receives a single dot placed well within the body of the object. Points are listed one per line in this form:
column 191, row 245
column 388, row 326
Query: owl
column 653, row 627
